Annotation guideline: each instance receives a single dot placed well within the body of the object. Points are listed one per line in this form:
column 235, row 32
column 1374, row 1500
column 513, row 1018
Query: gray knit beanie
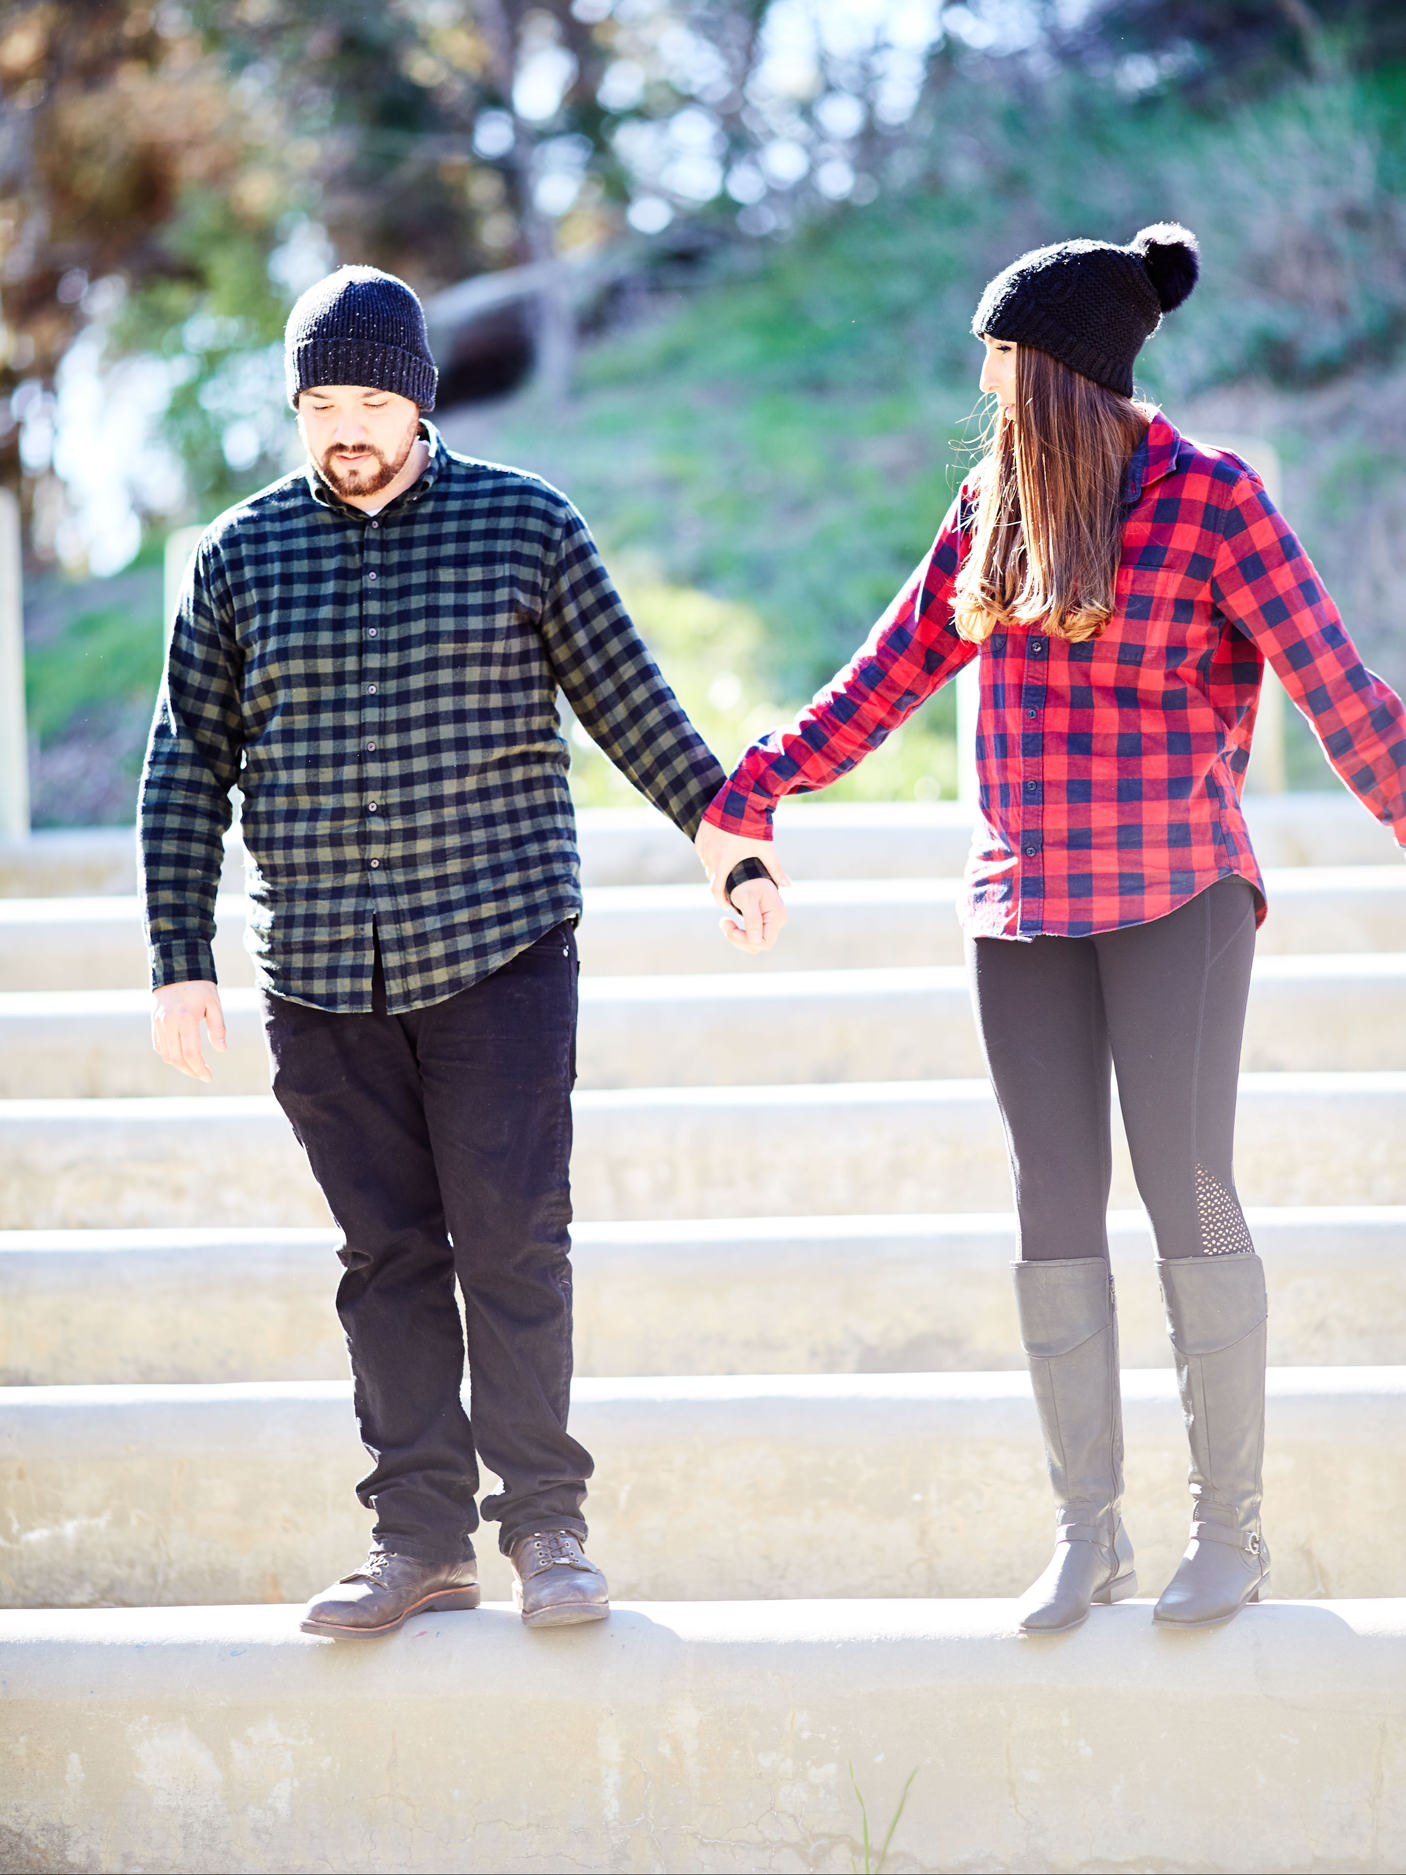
column 360, row 326
column 1091, row 304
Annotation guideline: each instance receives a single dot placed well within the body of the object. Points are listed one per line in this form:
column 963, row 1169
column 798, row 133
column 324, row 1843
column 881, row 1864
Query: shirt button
column 1029, row 853
column 371, row 574
column 374, row 864
column 375, row 524
column 370, row 807
column 1032, row 714
column 371, row 748
column 371, row 690
column 1030, row 787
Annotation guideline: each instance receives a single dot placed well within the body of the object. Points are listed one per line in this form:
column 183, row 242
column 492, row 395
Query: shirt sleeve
column 613, row 684
column 192, row 762
column 1266, row 585
column 912, row 651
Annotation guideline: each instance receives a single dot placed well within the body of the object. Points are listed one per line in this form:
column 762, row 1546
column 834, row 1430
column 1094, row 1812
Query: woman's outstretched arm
column 910, row 653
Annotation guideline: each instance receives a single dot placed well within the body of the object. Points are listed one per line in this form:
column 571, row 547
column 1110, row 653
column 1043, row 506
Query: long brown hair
column 1049, row 519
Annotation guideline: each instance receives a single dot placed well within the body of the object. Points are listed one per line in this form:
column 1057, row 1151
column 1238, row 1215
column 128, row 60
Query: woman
column 1122, row 588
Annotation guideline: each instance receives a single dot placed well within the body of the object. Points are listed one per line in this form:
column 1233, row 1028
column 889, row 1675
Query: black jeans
column 1164, row 1003
column 442, row 1142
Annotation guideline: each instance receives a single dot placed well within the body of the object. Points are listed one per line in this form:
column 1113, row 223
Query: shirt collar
column 327, row 497
column 1154, row 458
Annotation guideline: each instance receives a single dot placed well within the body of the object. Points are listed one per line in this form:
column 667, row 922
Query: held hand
column 177, row 1011
column 762, row 913
column 719, row 852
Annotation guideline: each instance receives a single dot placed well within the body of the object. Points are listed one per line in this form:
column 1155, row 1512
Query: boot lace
column 553, row 1547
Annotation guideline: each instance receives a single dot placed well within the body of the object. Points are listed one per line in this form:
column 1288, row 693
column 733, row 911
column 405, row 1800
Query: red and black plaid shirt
column 1110, row 770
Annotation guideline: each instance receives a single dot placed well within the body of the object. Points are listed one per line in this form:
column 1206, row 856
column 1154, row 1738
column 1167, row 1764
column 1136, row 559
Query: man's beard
column 384, row 473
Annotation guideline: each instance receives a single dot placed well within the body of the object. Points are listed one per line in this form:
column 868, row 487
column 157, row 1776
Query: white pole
column 14, row 733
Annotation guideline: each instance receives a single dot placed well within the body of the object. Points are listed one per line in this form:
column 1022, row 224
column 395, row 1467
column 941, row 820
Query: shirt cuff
column 190, row 961
column 743, row 811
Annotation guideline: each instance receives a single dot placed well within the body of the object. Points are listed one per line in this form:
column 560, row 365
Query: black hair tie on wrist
column 745, row 870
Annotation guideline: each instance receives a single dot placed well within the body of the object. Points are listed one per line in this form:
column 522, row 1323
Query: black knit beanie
column 360, row 326
column 1091, row 304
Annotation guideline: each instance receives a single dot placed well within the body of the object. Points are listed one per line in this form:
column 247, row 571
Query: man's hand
column 177, row 1011
column 757, row 900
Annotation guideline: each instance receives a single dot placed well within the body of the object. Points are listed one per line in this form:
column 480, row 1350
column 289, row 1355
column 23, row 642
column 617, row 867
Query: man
column 370, row 650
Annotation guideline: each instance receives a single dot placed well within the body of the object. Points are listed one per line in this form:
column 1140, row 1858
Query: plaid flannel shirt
column 1110, row 771
column 382, row 689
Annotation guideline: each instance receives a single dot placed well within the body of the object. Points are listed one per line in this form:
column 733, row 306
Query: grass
column 872, row 1865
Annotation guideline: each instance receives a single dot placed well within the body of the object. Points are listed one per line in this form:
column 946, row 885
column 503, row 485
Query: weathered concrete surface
column 706, row 1487
column 627, row 930
column 727, row 1296
column 1305, row 1014
column 899, row 1147
column 713, row 1737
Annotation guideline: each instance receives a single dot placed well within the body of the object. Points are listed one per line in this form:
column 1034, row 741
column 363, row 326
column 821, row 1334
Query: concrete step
column 706, row 1487
column 808, row 1295
column 667, row 1152
column 726, row 1737
column 636, row 846
column 1306, row 1013
column 839, row 924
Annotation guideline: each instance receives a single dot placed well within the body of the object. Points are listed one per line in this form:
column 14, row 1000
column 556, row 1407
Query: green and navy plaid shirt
column 382, row 690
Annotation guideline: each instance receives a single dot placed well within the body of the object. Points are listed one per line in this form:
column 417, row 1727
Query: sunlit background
column 709, row 267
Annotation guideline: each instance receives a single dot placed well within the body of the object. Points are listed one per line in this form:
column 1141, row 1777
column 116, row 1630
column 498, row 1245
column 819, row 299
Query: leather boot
column 1216, row 1316
column 386, row 1591
column 1069, row 1329
column 555, row 1585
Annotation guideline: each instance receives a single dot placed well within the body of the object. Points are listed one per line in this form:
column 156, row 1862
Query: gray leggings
column 1163, row 1003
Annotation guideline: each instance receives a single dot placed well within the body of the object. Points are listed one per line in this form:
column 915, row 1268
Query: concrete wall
column 706, row 1737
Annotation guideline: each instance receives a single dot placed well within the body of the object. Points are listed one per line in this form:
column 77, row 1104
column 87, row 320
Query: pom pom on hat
column 1172, row 259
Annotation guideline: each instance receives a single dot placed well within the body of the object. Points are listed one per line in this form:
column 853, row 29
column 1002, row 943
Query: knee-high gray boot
column 1069, row 1329
column 1216, row 1314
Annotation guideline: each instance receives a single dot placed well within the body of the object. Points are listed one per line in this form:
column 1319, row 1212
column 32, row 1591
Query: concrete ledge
column 896, row 1147
column 717, row 1737
column 731, row 1296
column 1305, row 1014
column 893, row 1484
column 840, row 924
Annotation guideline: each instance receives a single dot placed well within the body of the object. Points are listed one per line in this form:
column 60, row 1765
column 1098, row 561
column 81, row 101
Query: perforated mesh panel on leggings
column 1224, row 1231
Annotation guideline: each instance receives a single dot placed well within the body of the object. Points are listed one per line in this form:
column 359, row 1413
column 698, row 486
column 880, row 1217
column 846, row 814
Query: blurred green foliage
column 104, row 656
column 217, row 318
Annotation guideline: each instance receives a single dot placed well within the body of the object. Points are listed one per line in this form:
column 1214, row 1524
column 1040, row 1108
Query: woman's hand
column 756, row 901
